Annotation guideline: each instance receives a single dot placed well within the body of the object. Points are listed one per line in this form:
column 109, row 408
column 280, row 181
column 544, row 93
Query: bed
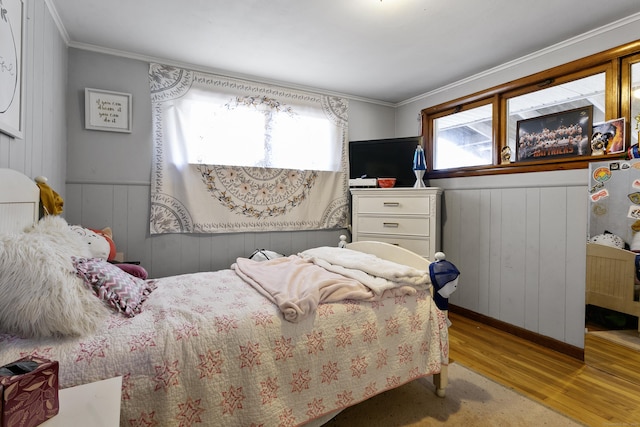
column 209, row 349
column 611, row 279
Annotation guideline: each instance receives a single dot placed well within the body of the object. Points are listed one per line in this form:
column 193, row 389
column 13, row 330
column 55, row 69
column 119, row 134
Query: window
column 254, row 131
column 635, row 102
column 577, row 93
column 631, row 86
column 476, row 134
column 463, row 138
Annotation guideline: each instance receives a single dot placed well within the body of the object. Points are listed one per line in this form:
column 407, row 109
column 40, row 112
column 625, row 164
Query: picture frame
column 12, row 30
column 107, row 110
column 608, row 137
column 564, row 134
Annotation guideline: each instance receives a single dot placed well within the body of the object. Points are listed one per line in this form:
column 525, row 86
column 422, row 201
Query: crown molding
column 553, row 48
column 506, row 66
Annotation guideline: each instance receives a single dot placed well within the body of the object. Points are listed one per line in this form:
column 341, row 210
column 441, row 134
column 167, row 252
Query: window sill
column 581, row 162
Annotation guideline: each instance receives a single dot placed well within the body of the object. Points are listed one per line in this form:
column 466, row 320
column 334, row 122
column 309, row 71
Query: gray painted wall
column 108, row 175
column 42, row 150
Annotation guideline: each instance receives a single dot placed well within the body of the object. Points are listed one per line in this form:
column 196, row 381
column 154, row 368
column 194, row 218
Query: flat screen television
column 384, row 158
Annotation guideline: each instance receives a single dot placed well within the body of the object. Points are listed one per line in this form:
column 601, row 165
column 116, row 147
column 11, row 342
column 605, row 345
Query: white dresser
column 407, row 217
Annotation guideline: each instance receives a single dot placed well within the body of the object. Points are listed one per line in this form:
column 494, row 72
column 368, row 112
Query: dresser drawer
column 393, row 204
column 420, row 246
column 393, row 225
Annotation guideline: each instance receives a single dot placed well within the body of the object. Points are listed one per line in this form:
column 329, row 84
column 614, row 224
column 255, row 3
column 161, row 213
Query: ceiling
column 382, row 50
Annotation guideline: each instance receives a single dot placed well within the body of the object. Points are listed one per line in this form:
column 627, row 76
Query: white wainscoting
column 125, row 208
column 519, row 242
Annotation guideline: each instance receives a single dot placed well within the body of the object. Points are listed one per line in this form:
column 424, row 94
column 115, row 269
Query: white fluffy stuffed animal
column 100, row 243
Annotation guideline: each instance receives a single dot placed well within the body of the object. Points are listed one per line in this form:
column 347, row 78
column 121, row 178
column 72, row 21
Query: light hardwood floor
column 582, row 391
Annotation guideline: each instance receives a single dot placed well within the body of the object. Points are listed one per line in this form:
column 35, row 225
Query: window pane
column 301, row 143
column 635, row 102
column 258, row 137
column 567, row 96
column 464, row 138
column 216, row 133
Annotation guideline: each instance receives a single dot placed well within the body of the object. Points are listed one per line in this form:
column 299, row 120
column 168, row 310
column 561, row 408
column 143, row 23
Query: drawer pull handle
column 391, row 204
column 390, row 224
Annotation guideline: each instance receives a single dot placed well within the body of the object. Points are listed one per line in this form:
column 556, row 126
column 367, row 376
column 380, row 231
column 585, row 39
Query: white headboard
column 19, row 201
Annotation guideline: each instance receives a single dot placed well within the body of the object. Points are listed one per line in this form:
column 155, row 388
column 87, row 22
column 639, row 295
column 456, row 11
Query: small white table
column 89, row 405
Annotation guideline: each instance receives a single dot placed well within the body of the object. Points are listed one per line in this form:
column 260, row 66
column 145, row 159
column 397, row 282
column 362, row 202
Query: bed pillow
column 40, row 292
column 122, row 291
column 133, row 269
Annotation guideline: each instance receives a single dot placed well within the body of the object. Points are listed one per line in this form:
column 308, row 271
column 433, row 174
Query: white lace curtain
column 207, row 198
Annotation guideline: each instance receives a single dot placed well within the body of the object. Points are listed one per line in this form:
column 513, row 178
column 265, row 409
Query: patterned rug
column 471, row 400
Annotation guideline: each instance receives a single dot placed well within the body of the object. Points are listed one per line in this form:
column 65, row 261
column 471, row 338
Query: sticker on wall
column 635, row 165
column 625, row 166
column 596, row 187
column 610, row 135
column 634, row 212
column 599, row 209
column 634, row 197
column 636, row 183
column 602, row 174
column 602, row 194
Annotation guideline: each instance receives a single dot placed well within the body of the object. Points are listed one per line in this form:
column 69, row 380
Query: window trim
column 430, row 143
column 617, row 104
column 626, row 90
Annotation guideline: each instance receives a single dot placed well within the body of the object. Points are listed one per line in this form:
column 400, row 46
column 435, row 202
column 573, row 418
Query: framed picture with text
column 107, row 110
column 564, row 134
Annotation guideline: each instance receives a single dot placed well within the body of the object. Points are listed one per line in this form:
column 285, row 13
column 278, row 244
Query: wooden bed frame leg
column 441, row 381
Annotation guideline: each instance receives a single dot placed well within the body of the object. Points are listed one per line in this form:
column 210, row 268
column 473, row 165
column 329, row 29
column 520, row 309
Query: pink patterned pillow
column 120, row 290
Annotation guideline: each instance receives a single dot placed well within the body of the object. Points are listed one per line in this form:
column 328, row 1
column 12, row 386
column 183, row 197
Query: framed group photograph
column 107, row 110
column 564, row 134
column 11, row 61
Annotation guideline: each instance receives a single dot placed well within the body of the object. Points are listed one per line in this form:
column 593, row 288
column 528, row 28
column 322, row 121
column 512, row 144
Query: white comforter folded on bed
column 377, row 273
column 297, row 284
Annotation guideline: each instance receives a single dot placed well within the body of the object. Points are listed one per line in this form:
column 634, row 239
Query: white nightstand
column 89, row 405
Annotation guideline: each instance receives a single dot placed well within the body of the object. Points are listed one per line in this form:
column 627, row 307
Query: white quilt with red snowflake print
column 208, row 350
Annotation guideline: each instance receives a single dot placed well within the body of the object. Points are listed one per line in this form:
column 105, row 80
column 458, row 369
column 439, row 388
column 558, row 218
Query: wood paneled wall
column 520, row 247
column 125, row 207
column 519, row 243
column 42, row 150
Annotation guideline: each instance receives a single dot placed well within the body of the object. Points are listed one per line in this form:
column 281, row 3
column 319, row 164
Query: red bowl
column 386, row 182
